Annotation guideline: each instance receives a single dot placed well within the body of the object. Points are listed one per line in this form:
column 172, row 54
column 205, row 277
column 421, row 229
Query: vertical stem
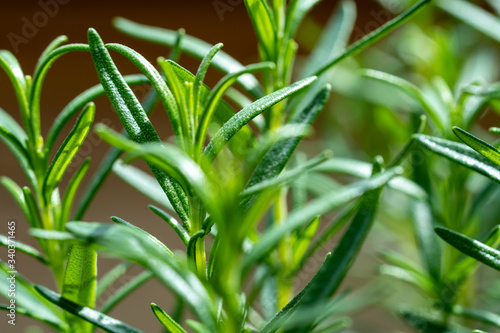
column 285, row 287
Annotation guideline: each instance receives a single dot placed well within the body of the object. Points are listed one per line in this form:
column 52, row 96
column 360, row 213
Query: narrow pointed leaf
column 478, row 145
column 334, row 36
column 10, row 65
column 16, row 147
column 80, row 282
column 461, row 154
column 287, row 176
column 178, row 228
column 153, row 239
column 156, row 81
column 69, row 148
column 69, row 195
column 441, row 121
column 12, row 125
column 170, row 325
column 275, row 160
column 94, row 317
column 132, row 116
column 297, row 10
column 39, row 77
column 428, row 244
column 374, row 36
column 264, row 25
column 326, row 282
column 233, row 125
column 214, row 99
column 473, row 15
column 471, row 247
column 51, row 47
column 202, row 71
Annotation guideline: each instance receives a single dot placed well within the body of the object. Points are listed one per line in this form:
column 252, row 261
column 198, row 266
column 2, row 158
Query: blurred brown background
column 74, row 73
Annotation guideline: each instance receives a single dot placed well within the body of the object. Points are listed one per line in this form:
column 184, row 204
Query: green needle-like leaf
column 264, row 25
column 142, row 182
column 39, row 76
column 441, row 120
column 170, row 325
column 215, row 98
column 70, row 193
column 461, row 154
column 297, row 10
column 334, row 36
column 12, row 126
column 152, row 238
column 471, row 247
column 473, row 15
column 158, row 84
column 275, row 160
column 374, row 36
column 133, row 117
column 94, row 317
column 478, row 145
column 178, row 228
column 233, row 125
column 10, row 65
column 202, row 71
column 428, row 244
column 68, row 149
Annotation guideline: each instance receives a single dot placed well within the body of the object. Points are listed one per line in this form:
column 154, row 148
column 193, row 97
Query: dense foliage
column 250, row 201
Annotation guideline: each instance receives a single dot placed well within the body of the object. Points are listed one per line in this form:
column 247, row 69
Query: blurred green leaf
column 276, row 158
column 119, row 239
column 22, row 247
column 170, row 325
column 473, row 15
column 79, row 283
column 300, row 217
column 68, row 149
column 27, row 299
column 125, row 290
column 264, row 25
